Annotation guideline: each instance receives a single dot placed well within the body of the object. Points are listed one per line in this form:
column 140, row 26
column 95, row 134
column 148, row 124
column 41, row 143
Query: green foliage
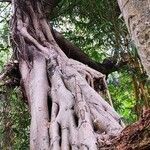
column 93, row 25
column 4, row 34
column 14, row 121
column 122, row 93
column 20, row 120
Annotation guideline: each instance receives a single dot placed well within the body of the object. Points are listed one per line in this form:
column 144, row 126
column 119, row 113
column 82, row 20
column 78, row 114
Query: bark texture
column 137, row 135
column 66, row 110
column 136, row 14
column 133, row 137
column 108, row 66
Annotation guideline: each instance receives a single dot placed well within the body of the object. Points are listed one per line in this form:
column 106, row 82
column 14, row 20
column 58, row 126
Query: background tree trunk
column 136, row 14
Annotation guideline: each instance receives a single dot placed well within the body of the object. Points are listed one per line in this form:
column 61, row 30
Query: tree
column 136, row 15
column 66, row 110
column 73, row 118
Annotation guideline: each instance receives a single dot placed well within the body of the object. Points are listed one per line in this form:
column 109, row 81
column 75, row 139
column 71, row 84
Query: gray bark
column 136, row 14
column 78, row 117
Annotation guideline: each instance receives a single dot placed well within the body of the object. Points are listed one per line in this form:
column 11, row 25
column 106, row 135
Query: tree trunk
column 136, row 14
column 66, row 111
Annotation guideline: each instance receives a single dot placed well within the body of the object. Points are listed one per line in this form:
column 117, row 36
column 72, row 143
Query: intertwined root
column 80, row 118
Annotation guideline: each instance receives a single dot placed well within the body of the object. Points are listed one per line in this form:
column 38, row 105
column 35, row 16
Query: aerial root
column 78, row 116
column 82, row 118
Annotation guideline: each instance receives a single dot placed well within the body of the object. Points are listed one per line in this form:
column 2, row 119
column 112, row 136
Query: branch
column 5, row 1
column 108, row 66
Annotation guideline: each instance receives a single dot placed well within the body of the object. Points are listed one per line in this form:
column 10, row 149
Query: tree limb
column 108, row 66
column 5, row 0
